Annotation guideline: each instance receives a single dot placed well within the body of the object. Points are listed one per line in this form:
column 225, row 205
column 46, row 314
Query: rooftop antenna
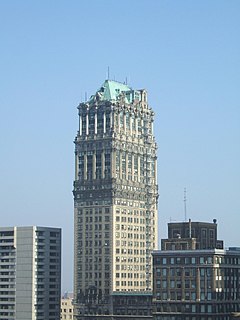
column 185, row 204
column 85, row 96
column 108, row 72
column 126, row 80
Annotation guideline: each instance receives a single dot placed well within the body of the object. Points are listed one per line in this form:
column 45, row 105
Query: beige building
column 66, row 309
column 115, row 197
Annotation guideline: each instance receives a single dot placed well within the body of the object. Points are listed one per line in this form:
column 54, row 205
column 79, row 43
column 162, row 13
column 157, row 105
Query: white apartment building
column 30, row 273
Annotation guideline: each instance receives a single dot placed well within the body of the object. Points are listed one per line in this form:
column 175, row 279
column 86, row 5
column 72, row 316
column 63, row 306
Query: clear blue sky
column 185, row 53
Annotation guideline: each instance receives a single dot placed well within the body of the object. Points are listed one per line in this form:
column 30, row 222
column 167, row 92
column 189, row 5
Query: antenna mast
column 185, row 204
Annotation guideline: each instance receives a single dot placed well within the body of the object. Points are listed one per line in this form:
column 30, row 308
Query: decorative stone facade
column 115, row 197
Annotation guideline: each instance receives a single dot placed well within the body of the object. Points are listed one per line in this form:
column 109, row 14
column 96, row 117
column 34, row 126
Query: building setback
column 30, row 273
column 191, row 283
column 115, row 198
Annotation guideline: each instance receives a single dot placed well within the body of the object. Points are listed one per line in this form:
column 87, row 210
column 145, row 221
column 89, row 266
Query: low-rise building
column 66, row 308
column 195, row 284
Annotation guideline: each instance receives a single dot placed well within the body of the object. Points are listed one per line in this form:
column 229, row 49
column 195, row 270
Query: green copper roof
column 110, row 90
column 113, row 89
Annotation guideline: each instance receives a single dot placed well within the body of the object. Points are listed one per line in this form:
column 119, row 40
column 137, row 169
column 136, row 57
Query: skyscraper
column 30, row 273
column 115, row 197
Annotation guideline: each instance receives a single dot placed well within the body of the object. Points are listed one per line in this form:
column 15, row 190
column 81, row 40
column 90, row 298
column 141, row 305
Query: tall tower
column 115, row 197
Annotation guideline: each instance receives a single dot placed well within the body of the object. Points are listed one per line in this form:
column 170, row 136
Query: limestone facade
column 115, row 196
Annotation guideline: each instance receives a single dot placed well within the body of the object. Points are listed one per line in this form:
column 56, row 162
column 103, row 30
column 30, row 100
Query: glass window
column 202, row 260
column 209, row 260
column 187, row 260
column 187, row 272
column 193, row 296
column 173, row 295
column 202, row 272
column 187, row 295
column 179, row 296
column 209, row 308
column 178, row 272
column 172, row 272
column 164, row 295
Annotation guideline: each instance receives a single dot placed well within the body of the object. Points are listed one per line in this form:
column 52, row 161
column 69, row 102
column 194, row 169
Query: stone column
column 111, row 119
column 120, row 164
column 168, row 283
column 95, row 124
column 124, row 122
column 142, row 126
column 87, row 124
column 126, row 164
column 132, row 166
column 214, row 277
column 136, row 125
column 198, row 287
column 113, row 164
column 139, row 166
column 80, row 124
column 130, row 119
column 103, row 164
column 85, row 167
column 155, row 170
column 183, row 283
column 104, row 122
column 119, row 128
column 76, row 166
column 94, row 165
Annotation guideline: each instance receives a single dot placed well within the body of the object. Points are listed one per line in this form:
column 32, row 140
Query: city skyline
column 185, row 55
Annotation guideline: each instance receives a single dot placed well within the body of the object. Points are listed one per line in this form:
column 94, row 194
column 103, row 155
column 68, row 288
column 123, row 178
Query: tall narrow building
column 115, row 198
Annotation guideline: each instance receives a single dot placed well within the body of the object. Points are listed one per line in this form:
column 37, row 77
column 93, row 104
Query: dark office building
column 193, row 278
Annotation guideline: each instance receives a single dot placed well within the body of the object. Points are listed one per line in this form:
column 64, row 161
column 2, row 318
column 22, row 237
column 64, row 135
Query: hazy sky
column 185, row 53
